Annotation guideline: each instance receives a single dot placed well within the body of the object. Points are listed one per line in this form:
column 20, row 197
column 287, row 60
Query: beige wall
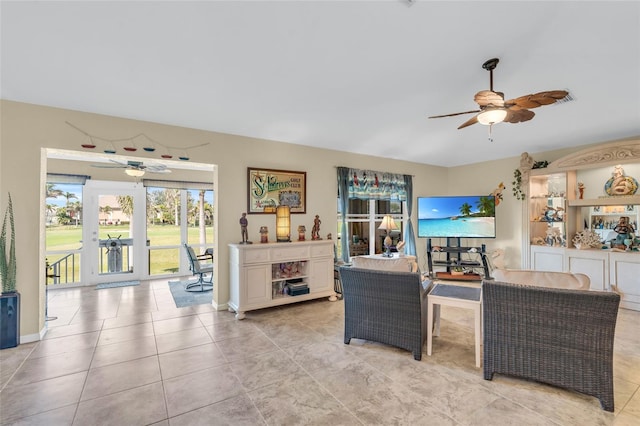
column 26, row 129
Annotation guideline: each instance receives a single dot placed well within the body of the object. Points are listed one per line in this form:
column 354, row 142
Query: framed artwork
column 269, row 188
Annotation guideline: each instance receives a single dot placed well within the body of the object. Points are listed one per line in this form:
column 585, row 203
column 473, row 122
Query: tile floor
column 127, row 356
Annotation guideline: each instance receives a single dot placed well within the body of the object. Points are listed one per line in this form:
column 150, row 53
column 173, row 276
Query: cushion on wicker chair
column 399, row 264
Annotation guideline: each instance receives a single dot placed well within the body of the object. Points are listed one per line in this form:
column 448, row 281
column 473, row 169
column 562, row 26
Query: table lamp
column 388, row 224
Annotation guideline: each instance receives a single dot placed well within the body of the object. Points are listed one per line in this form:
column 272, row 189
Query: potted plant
column 457, row 270
column 10, row 298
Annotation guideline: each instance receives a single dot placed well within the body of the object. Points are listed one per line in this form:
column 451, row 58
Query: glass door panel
column 115, row 232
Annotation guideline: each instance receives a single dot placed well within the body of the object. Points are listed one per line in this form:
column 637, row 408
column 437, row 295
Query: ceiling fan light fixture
column 492, row 116
column 134, row 172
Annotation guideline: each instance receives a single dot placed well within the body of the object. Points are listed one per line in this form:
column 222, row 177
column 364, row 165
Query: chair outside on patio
column 200, row 269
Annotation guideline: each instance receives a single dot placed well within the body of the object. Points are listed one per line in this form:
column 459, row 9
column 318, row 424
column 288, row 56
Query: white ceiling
column 359, row 76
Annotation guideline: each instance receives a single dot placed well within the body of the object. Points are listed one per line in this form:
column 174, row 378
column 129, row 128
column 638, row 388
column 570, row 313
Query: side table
column 459, row 296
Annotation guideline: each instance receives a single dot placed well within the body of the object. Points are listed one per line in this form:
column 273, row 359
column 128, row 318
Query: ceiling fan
column 134, row 168
column 494, row 109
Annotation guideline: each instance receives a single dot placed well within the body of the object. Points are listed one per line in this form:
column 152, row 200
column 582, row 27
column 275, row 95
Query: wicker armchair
column 385, row 307
column 556, row 336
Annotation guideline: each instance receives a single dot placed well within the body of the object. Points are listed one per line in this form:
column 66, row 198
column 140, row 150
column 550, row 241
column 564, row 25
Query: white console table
column 260, row 272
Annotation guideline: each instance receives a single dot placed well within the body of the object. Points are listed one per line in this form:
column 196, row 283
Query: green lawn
column 161, row 261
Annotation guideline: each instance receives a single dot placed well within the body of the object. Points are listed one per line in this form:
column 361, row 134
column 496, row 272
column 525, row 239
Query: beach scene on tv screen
column 460, row 216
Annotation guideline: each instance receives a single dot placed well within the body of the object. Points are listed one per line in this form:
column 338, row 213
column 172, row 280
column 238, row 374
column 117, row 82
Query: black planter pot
column 9, row 320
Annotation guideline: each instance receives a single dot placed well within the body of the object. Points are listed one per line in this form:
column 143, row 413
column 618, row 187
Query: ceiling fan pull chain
column 490, row 136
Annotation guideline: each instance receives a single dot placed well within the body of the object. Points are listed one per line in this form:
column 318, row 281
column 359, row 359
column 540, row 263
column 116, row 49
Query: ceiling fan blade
column 156, row 168
column 161, row 171
column 518, row 115
column 109, row 166
column 469, row 122
column 456, row 113
column 535, row 100
column 488, row 97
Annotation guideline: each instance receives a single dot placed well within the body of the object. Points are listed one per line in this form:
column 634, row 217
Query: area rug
column 183, row 298
column 117, row 284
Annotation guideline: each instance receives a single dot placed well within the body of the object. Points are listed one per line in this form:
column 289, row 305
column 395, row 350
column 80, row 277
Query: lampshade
column 388, row 224
column 283, row 224
column 492, row 115
column 134, row 172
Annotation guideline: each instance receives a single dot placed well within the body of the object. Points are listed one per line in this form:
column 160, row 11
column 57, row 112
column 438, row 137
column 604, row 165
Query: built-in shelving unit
column 603, row 219
column 556, row 188
column 550, row 221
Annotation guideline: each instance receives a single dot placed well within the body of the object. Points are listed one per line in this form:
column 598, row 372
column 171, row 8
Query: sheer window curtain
column 343, row 195
column 409, row 236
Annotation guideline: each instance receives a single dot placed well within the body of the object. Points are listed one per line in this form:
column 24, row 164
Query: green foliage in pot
column 8, row 258
column 517, row 185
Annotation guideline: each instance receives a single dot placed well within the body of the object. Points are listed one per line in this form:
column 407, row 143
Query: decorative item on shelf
column 283, row 224
column 244, row 223
column 554, row 236
column 388, row 224
column 625, row 231
column 301, row 232
column 586, row 239
column 329, row 236
column 10, row 298
column 264, row 234
column 620, row 184
column 315, row 231
column 581, row 190
column 548, row 214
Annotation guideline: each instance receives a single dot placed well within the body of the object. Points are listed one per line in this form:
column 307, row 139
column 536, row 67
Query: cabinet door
column 547, row 259
column 624, row 271
column 320, row 275
column 592, row 263
column 257, row 281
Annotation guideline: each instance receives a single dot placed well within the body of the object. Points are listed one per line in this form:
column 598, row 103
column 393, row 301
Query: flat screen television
column 461, row 216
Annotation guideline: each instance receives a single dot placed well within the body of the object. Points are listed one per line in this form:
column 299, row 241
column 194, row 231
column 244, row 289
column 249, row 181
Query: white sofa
column 566, row 280
column 380, row 263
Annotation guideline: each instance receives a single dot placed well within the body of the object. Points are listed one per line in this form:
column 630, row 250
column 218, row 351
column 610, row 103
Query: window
column 166, row 229
column 365, row 197
column 363, row 220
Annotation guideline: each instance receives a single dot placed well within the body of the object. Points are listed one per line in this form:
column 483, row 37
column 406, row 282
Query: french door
column 114, row 234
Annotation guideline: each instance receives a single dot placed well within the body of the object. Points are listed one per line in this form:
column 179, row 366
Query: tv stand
column 453, row 251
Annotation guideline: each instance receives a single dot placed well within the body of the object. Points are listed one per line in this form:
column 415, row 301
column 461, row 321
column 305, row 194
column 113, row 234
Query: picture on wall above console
column 269, row 188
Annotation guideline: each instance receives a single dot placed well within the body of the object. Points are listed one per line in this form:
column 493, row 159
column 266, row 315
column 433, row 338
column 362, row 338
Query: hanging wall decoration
column 111, row 146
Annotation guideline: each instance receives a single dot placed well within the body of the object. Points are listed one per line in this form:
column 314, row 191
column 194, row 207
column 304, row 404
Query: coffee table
column 460, row 296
